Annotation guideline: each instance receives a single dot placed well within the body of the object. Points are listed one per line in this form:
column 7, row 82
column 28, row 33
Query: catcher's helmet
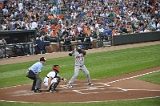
column 55, row 68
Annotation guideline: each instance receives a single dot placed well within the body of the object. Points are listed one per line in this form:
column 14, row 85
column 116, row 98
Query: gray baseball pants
column 77, row 68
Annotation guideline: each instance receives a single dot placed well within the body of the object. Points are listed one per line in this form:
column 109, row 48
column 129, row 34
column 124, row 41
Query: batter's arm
column 71, row 53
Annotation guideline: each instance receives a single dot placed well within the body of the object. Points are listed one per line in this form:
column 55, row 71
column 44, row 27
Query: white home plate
column 92, row 88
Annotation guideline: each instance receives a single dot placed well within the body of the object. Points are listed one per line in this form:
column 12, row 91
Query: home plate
column 92, row 88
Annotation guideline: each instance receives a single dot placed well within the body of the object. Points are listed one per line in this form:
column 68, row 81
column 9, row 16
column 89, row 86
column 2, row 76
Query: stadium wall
column 135, row 38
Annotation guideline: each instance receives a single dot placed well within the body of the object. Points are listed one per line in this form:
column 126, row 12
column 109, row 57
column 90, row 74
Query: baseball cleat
column 37, row 91
column 55, row 90
column 69, row 86
column 32, row 89
column 90, row 84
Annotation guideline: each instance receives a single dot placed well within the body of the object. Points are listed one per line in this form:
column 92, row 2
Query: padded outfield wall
column 135, row 38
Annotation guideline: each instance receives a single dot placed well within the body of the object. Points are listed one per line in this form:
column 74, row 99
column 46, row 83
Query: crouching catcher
column 52, row 79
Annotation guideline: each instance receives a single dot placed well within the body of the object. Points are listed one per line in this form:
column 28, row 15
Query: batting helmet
column 80, row 47
column 56, row 68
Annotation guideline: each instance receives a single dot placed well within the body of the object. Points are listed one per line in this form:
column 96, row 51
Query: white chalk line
column 108, row 84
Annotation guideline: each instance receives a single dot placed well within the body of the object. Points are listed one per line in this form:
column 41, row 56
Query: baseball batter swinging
column 79, row 54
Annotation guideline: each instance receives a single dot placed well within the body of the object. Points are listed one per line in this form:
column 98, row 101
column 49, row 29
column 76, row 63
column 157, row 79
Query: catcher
column 52, row 79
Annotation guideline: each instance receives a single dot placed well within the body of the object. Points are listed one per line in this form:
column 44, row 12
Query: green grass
column 100, row 65
column 139, row 102
column 153, row 77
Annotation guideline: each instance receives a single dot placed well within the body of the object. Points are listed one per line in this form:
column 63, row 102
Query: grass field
column 100, row 65
column 153, row 78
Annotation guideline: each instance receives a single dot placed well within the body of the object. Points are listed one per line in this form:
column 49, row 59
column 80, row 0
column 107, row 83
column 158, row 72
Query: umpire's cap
column 42, row 59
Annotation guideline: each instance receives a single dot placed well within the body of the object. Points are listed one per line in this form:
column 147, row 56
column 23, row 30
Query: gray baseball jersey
column 79, row 58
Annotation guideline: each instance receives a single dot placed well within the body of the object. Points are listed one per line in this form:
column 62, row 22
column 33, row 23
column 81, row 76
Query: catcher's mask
column 56, row 68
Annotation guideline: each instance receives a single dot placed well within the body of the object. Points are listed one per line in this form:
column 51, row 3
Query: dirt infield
column 115, row 88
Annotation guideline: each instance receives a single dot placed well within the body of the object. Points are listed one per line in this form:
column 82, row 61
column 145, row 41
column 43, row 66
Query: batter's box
column 96, row 89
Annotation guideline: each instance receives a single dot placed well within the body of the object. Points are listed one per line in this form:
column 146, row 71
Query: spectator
column 99, row 16
column 40, row 47
column 53, row 36
column 32, row 47
column 67, row 44
column 34, row 24
column 3, row 44
column 65, row 33
column 88, row 42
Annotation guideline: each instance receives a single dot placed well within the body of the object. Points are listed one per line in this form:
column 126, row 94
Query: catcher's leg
column 54, row 85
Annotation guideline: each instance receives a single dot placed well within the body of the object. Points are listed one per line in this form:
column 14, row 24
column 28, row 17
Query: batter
column 79, row 54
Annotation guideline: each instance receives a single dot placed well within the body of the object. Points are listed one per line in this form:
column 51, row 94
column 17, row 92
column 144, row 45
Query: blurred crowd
column 70, row 18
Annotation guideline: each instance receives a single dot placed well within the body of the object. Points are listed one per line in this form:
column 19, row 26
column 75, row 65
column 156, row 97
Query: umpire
column 33, row 73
